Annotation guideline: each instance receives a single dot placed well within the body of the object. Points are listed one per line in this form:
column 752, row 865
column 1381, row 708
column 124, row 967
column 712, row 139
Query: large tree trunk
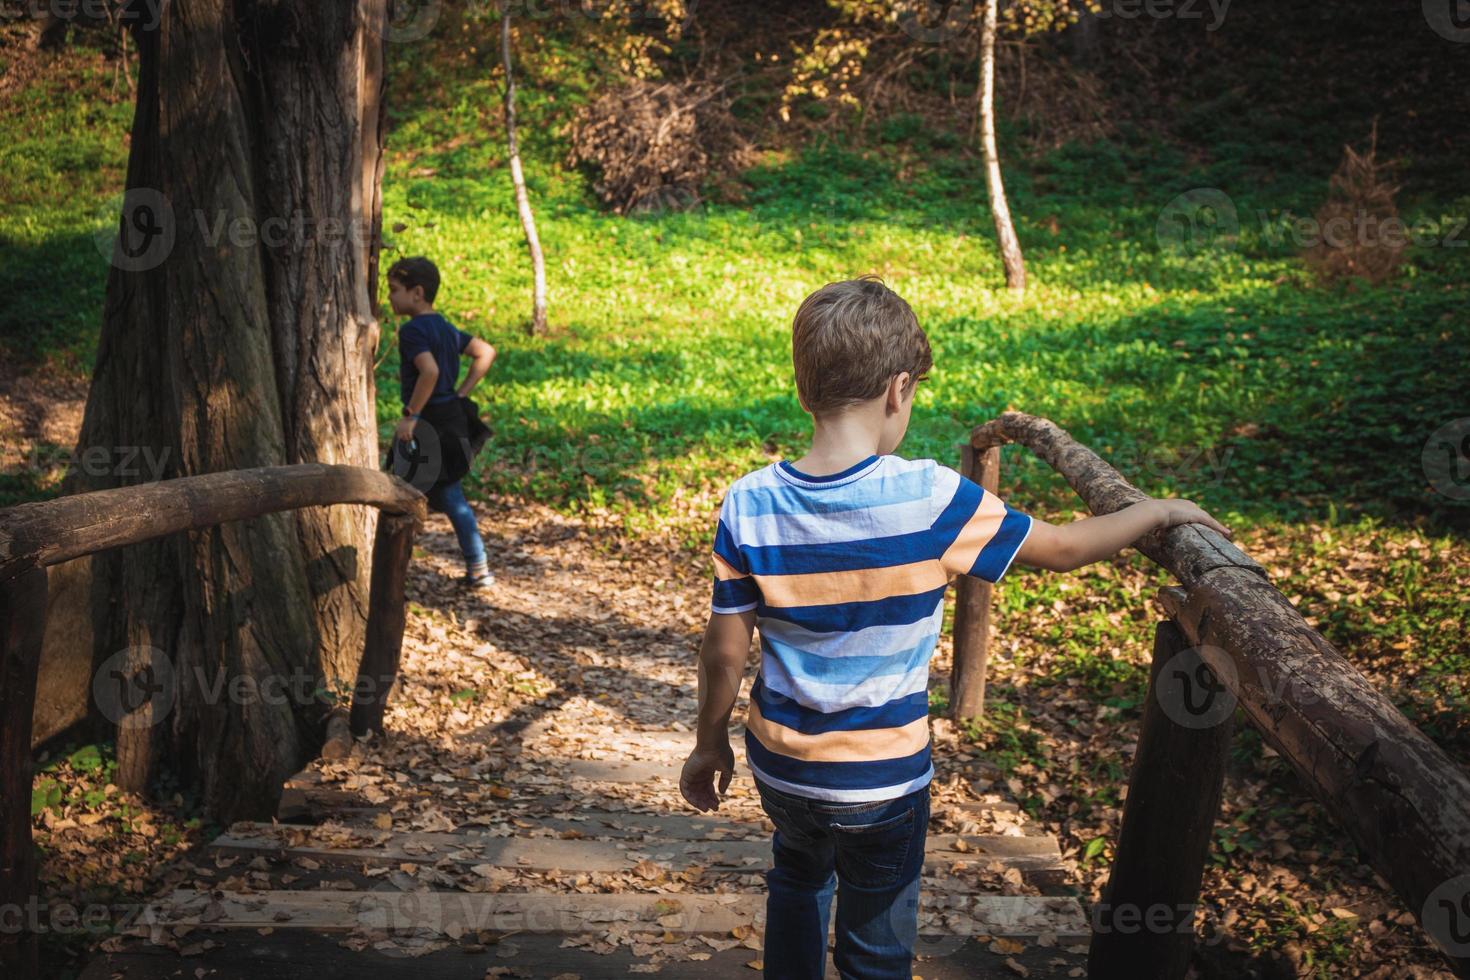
column 239, row 332
column 1005, row 232
column 518, row 178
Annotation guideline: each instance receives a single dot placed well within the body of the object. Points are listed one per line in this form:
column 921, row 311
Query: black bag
column 446, row 441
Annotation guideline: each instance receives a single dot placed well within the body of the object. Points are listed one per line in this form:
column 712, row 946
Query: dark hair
column 850, row 339
column 417, row 271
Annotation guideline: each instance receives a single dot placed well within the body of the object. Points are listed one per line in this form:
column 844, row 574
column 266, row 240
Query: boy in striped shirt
column 842, row 559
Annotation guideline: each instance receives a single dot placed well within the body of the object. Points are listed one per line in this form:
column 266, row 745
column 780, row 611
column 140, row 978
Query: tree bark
column 239, row 332
column 518, row 178
column 1005, row 231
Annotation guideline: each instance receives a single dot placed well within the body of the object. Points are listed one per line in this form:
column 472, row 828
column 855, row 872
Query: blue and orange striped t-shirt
column 847, row 575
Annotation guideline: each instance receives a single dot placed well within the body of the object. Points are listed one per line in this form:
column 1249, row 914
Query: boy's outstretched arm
column 482, row 355
column 722, row 658
column 1068, row 546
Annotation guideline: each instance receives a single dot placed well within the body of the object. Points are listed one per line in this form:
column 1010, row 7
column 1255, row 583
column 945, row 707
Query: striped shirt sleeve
column 975, row 532
column 735, row 591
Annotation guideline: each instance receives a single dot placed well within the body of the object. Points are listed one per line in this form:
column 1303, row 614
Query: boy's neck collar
column 853, row 472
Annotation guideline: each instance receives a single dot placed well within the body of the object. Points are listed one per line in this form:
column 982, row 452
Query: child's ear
column 896, row 390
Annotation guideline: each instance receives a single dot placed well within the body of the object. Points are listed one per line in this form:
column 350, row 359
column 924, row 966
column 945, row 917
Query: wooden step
column 457, row 914
column 1033, row 856
column 299, row 954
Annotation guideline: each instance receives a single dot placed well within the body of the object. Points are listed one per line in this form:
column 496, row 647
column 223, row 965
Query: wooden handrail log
column 1400, row 797
column 1189, row 550
column 34, row 536
column 49, row 532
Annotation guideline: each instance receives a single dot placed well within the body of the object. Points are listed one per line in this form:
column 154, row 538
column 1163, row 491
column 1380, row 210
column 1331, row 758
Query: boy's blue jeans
column 449, row 501
column 877, row 852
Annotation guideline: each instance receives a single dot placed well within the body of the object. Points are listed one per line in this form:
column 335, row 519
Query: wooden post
column 392, row 549
column 22, row 627
column 972, row 605
column 1144, row 925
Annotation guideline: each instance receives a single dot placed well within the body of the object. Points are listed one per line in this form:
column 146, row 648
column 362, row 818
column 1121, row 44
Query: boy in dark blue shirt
column 429, row 349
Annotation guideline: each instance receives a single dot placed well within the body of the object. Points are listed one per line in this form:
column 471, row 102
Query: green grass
column 1221, row 373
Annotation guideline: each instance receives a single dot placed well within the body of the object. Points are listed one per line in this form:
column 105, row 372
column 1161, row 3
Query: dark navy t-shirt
column 431, row 332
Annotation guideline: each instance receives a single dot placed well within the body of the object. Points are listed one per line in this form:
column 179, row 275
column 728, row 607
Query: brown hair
column 850, row 339
column 417, row 271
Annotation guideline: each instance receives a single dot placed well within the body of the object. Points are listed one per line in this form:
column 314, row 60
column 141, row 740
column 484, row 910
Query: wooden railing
column 35, row 536
column 1232, row 640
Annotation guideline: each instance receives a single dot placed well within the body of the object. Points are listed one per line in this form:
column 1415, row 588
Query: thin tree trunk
column 518, row 178
column 1005, row 232
column 243, row 335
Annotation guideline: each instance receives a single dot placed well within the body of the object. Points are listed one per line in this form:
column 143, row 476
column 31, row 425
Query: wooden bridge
column 530, row 893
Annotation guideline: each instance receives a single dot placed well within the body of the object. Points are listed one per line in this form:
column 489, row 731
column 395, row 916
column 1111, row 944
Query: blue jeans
column 449, row 501
column 877, row 852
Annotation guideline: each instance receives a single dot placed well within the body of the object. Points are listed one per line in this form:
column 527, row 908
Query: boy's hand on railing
column 697, row 781
column 1174, row 512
